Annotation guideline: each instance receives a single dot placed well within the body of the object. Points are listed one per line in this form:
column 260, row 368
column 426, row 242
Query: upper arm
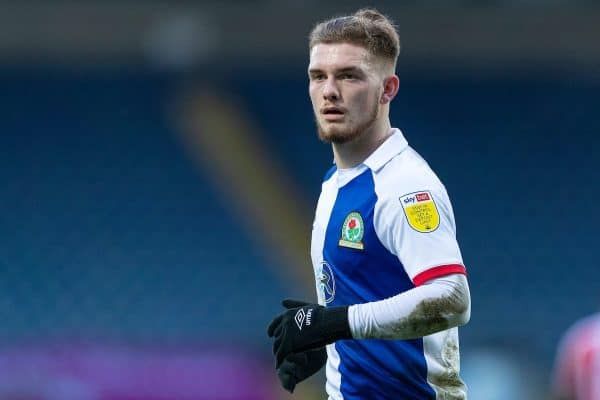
column 417, row 225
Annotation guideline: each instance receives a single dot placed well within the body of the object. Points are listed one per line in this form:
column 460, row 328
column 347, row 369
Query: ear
column 390, row 89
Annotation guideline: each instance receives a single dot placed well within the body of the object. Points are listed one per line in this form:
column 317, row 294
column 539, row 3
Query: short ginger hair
column 367, row 28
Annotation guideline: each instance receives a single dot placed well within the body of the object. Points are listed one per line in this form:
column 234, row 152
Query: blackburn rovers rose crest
column 353, row 230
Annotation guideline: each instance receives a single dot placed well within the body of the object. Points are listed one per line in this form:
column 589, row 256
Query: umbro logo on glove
column 301, row 316
column 317, row 326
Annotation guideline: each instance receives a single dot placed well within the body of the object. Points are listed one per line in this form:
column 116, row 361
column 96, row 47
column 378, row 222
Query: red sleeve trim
column 437, row 272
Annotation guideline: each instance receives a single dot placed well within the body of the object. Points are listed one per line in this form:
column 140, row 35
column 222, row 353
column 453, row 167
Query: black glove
column 307, row 326
column 297, row 367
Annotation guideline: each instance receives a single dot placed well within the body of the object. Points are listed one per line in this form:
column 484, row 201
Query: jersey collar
column 392, row 146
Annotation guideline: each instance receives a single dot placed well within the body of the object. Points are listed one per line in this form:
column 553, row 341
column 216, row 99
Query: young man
column 390, row 278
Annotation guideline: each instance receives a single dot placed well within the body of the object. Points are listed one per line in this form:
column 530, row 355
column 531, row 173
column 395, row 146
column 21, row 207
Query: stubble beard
column 341, row 137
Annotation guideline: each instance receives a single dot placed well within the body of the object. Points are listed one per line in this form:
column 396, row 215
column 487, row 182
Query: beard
column 338, row 136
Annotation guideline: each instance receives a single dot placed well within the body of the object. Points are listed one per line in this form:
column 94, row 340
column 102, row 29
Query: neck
column 351, row 154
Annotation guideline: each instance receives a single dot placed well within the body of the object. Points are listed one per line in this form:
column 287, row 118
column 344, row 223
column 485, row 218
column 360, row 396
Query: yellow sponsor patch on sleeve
column 421, row 212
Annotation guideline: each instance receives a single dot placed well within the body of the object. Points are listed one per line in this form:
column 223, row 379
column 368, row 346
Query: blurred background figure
column 159, row 169
column 577, row 367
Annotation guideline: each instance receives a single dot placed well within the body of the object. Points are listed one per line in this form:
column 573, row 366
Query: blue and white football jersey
column 382, row 228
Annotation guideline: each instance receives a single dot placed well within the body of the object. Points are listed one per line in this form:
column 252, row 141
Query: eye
column 317, row 77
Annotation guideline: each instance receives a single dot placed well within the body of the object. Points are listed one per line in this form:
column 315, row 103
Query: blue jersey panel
column 383, row 370
column 361, row 275
column 370, row 369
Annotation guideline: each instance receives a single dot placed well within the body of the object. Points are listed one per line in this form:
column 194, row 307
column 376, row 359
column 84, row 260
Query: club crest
column 353, row 230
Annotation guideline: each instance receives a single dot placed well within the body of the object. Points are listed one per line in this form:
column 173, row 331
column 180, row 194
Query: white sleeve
column 419, row 228
column 414, row 221
column 439, row 304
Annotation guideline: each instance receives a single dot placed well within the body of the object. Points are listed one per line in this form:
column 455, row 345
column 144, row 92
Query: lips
column 332, row 113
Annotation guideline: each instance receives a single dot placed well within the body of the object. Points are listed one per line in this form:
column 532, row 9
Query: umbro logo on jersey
column 302, row 316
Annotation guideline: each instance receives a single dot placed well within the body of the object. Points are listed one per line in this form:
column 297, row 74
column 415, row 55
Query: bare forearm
column 440, row 304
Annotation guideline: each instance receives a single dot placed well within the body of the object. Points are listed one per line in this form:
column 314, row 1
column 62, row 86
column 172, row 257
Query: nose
column 330, row 90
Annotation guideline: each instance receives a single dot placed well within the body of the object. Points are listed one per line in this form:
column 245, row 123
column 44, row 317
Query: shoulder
column 406, row 173
column 409, row 192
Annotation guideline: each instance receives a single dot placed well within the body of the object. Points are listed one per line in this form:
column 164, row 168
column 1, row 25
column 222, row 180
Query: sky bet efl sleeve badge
column 420, row 211
column 353, row 230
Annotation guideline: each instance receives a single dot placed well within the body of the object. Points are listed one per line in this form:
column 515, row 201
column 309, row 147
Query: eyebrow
column 341, row 70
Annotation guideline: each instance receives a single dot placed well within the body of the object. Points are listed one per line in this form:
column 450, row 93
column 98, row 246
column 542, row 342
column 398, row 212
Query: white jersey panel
column 334, row 377
column 324, row 207
column 413, row 215
column 443, row 365
column 399, row 185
